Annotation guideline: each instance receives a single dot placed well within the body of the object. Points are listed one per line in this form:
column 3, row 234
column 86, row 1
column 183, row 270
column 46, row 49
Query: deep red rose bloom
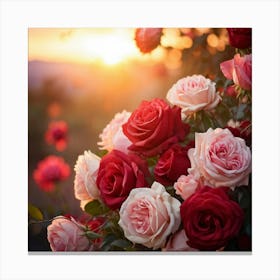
column 57, row 134
column 210, row 218
column 147, row 39
column 118, row 174
column 244, row 130
column 240, row 38
column 49, row 171
column 154, row 126
column 172, row 164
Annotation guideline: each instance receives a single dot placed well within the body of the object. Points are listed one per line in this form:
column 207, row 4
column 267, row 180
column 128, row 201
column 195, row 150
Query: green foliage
column 35, row 212
column 92, row 235
column 96, row 208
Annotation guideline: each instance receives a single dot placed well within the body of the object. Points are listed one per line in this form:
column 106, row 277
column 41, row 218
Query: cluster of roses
column 161, row 184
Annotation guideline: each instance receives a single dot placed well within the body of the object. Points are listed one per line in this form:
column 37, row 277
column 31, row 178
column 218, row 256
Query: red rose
column 210, row 218
column 172, row 164
column 147, row 39
column 154, row 126
column 240, row 38
column 118, row 174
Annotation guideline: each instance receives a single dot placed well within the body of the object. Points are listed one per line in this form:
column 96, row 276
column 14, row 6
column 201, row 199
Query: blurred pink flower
column 112, row 136
column 57, row 134
column 49, row 171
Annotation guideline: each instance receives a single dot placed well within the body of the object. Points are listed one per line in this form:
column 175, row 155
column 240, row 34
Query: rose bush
column 153, row 127
column 175, row 174
column 220, row 159
column 193, row 94
column 118, row 174
column 210, row 219
column 149, row 215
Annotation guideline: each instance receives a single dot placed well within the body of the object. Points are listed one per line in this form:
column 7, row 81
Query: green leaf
column 152, row 161
column 121, row 243
column 244, row 198
column 92, row 235
column 96, row 208
column 35, row 212
column 106, row 244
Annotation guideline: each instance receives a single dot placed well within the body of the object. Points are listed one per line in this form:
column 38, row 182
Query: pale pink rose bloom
column 178, row 242
column 194, row 93
column 186, row 186
column 149, row 215
column 239, row 69
column 112, row 136
column 220, row 159
column 66, row 234
column 86, row 169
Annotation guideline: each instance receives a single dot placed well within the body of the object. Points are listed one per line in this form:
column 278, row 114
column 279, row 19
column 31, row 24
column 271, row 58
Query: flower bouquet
column 175, row 173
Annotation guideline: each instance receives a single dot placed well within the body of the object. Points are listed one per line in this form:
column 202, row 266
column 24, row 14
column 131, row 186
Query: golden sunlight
column 103, row 45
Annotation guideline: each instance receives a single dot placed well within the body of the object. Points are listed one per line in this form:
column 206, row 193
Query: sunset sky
column 104, row 45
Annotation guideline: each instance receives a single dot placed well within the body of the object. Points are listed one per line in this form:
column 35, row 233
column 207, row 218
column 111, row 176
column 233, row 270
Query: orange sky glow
column 87, row 45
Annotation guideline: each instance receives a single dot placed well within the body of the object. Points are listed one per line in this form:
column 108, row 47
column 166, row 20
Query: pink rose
column 149, row 215
column 178, row 242
column 239, row 69
column 85, row 187
column 220, row 159
column 186, row 186
column 112, row 136
column 66, row 234
column 194, row 93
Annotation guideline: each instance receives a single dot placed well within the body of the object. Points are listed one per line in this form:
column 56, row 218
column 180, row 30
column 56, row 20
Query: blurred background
column 84, row 77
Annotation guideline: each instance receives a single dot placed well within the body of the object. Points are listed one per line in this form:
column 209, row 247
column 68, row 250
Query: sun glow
column 107, row 46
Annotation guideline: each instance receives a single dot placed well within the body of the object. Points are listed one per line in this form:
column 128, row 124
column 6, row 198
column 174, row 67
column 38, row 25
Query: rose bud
column 147, row 39
column 240, row 38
